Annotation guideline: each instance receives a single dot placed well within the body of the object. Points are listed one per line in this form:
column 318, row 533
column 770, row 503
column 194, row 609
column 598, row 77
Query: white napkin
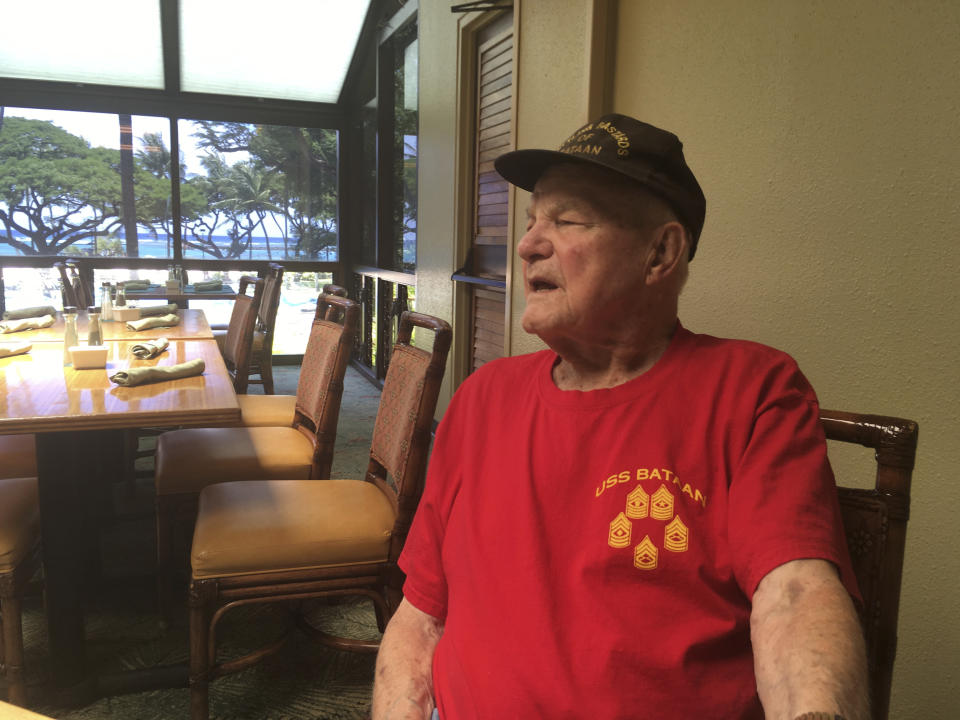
column 154, row 322
column 150, row 348
column 11, row 349
column 34, row 323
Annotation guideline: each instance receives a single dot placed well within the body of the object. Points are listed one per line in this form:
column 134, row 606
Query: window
column 96, row 184
column 64, row 179
column 259, row 192
column 405, row 149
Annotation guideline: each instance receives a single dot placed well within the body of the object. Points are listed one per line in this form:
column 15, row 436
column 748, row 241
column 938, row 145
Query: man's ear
column 669, row 246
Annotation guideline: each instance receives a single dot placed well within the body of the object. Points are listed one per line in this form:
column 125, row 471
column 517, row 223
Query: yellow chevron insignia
column 638, row 504
column 620, row 531
column 645, row 554
column 662, row 504
column 676, row 536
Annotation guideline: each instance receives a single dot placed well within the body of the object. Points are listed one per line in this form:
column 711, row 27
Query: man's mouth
column 542, row 286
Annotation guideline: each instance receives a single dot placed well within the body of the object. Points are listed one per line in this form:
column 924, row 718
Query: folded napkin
column 154, row 322
column 136, row 285
column 33, row 323
column 152, row 310
column 18, row 348
column 149, row 348
column 208, row 285
column 30, row 312
column 143, row 375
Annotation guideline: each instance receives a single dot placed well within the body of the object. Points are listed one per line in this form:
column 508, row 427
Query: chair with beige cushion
column 191, row 459
column 236, row 345
column 19, row 550
column 18, row 456
column 269, row 409
column 261, row 361
column 318, row 539
column 261, row 349
column 19, row 559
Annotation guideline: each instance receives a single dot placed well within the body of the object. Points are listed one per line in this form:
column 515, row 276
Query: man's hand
column 403, row 688
column 808, row 647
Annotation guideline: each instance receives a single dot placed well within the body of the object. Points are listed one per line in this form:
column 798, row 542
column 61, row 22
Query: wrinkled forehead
column 592, row 187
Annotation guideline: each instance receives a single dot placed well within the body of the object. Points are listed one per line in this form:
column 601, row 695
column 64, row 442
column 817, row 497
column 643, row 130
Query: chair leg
column 166, row 515
column 131, row 443
column 12, row 631
column 201, row 598
column 266, row 373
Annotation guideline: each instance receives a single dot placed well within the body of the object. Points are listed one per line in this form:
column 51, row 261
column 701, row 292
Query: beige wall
column 436, row 220
column 825, row 137
column 551, row 78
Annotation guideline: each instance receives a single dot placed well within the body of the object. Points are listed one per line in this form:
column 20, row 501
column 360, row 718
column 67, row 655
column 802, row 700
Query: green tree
column 54, row 188
column 154, row 156
column 200, row 231
column 302, row 166
column 248, row 202
column 153, row 189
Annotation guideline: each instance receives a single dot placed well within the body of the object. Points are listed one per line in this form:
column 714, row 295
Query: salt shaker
column 106, row 303
column 69, row 333
column 94, row 333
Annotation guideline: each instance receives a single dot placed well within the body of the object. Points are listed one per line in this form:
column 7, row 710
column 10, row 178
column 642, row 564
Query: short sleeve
column 783, row 502
column 422, row 557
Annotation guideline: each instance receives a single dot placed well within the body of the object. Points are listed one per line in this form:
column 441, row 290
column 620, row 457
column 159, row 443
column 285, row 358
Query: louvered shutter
column 494, row 137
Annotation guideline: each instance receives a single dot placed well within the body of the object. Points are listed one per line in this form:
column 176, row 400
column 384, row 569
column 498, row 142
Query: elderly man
column 639, row 522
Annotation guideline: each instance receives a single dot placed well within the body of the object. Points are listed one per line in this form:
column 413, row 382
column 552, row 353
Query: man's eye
column 562, row 222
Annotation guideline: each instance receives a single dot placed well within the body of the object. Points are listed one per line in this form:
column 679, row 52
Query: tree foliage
column 54, row 188
column 56, row 191
column 289, row 175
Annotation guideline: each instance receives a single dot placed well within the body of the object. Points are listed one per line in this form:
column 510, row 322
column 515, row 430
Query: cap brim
column 524, row 167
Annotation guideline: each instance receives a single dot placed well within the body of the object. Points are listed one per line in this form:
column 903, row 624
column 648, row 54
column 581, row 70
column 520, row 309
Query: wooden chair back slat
column 320, row 388
column 875, row 522
column 67, row 289
column 402, row 431
column 267, row 317
column 239, row 340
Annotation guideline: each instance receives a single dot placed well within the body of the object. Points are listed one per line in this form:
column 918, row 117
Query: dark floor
column 303, row 680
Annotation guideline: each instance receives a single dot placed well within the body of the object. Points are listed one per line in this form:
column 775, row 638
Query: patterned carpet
column 303, row 680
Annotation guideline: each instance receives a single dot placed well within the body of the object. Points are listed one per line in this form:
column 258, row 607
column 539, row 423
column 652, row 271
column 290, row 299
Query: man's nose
column 534, row 244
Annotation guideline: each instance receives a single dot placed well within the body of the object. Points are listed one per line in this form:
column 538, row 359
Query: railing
column 86, row 266
column 383, row 295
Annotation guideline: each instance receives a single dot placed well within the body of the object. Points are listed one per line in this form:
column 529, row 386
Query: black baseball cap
column 638, row 150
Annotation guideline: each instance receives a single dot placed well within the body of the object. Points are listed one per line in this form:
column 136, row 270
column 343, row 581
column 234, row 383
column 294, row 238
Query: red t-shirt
column 593, row 554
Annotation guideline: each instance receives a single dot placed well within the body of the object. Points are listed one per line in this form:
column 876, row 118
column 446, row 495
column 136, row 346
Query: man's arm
column 403, row 687
column 808, row 647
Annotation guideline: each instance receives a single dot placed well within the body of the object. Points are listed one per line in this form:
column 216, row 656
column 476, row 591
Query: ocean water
column 160, row 247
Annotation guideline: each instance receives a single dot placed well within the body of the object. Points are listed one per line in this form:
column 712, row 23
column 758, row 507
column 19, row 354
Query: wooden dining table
column 193, row 326
column 78, row 418
column 182, row 296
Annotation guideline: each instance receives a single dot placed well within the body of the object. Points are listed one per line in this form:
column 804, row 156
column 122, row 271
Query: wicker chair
column 189, row 460
column 236, row 345
column 261, row 353
column 875, row 521
column 261, row 362
column 74, row 289
column 276, row 410
column 18, row 456
column 318, row 539
column 19, row 559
